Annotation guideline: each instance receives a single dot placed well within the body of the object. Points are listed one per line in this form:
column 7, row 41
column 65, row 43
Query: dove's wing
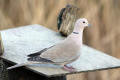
column 63, row 52
column 38, row 53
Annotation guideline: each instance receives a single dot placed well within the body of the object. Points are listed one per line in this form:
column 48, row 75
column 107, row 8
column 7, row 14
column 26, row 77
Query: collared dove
column 64, row 52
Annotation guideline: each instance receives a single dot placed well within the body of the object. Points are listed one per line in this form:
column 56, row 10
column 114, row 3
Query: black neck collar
column 75, row 32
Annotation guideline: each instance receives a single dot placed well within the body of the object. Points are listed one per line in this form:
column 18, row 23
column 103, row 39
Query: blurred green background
column 104, row 15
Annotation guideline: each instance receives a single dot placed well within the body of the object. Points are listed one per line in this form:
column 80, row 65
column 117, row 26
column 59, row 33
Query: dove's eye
column 83, row 21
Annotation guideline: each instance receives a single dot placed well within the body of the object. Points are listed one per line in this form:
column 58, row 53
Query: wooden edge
column 12, row 63
column 64, row 74
column 1, row 46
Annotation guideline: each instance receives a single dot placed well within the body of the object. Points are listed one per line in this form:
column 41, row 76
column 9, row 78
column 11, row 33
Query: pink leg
column 70, row 69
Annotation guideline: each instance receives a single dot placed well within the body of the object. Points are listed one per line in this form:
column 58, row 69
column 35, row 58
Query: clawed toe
column 70, row 69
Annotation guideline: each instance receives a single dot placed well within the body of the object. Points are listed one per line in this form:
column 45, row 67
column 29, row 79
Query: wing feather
column 60, row 53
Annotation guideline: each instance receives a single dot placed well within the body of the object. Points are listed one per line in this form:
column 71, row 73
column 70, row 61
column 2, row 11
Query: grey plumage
column 53, row 54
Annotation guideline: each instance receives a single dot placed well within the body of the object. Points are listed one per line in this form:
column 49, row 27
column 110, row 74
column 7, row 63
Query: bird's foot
column 70, row 69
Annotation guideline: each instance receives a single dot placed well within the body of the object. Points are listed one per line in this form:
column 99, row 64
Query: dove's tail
column 22, row 64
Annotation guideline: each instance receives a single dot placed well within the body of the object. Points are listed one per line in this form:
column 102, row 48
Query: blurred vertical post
column 3, row 71
column 67, row 18
column 1, row 46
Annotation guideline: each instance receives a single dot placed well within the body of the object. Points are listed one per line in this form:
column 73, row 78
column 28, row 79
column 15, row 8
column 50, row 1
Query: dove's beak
column 89, row 25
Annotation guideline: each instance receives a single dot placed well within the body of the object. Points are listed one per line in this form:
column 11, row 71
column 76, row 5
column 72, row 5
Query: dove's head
column 82, row 23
